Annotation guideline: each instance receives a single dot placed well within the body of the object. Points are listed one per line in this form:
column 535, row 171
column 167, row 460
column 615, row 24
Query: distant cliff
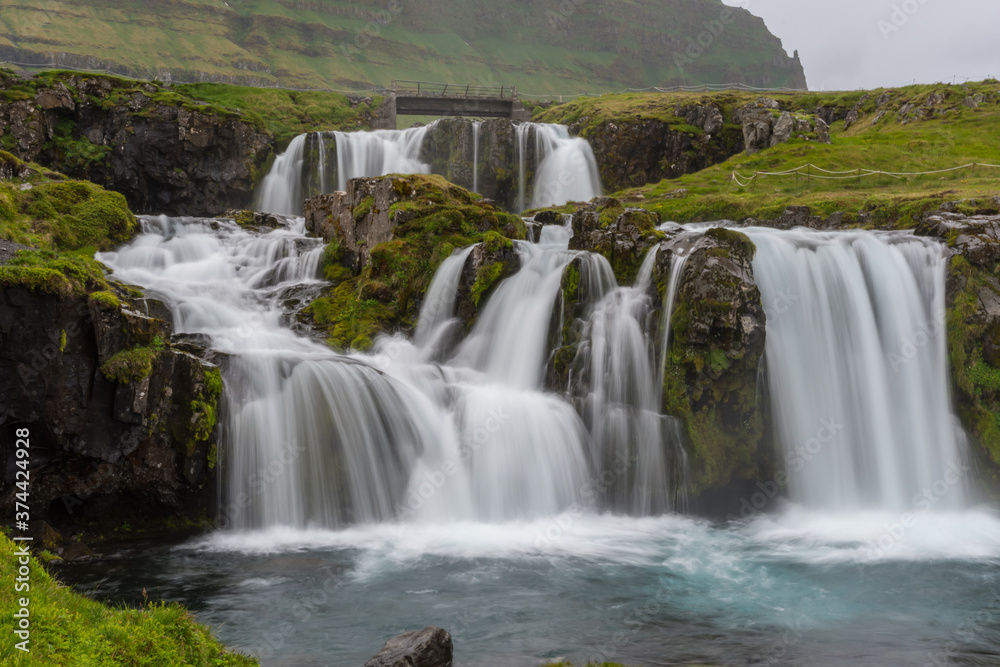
column 542, row 46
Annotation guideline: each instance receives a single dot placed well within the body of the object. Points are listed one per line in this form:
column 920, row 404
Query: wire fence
column 851, row 174
column 375, row 89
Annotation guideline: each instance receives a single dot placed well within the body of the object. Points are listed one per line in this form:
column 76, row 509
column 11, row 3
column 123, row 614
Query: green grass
column 962, row 136
column 542, row 47
column 71, row 630
column 285, row 113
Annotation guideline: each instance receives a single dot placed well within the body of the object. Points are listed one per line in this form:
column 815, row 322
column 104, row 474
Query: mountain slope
column 542, row 46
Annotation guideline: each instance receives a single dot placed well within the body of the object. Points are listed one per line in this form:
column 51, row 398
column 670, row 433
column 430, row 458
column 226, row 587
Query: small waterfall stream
column 559, row 168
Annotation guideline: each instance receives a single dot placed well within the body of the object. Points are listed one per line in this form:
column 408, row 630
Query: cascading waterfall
column 379, row 153
column 358, row 154
column 858, row 367
column 439, row 302
column 281, row 190
column 567, row 168
column 475, row 155
column 623, row 407
column 564, row 168
column 321, row 167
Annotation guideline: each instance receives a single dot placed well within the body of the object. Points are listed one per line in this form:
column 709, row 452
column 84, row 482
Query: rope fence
column 850, row 175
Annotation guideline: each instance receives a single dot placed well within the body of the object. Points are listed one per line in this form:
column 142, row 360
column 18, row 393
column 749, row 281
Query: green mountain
column 541, row 46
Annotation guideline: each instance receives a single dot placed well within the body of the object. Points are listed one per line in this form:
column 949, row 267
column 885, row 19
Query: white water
column 379, row 153
column 565, row 168
column 475, row 155
column 858, row 369
column 320, row 439
column 439, row 302
column 623, row 405
column 489, row 474
column 281, row 190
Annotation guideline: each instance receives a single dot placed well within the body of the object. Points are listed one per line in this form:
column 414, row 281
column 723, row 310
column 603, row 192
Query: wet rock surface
column 105, row 451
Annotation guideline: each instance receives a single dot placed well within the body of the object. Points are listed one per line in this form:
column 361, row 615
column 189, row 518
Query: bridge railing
column 431, row 89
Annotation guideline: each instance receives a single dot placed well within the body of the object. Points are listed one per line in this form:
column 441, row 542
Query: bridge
column 422, row 98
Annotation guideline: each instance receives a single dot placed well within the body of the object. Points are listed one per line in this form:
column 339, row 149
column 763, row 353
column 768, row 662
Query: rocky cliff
column 121, row 412
column 164, row 152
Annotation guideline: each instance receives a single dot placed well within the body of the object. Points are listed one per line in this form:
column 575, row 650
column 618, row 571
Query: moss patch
column 434, row 218
column 132, row 365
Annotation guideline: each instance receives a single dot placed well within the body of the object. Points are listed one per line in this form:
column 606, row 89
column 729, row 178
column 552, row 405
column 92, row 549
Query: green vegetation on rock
column 71, row 630
column 433, row 218
column 130, row 366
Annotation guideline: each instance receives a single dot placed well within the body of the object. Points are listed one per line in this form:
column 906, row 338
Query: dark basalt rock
column 104, row 452
column 430, row 647
column 164, row 157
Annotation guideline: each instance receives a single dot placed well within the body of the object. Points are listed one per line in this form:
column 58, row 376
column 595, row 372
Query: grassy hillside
column 887, row 138
column 542, row 46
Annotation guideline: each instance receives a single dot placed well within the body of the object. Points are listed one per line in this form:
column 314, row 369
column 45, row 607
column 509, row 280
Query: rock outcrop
column 387, row 236
column 121, row 420
column 973, row 324
column 430, row 647
column 766, row 126
column 718, row 334
column 165, row 154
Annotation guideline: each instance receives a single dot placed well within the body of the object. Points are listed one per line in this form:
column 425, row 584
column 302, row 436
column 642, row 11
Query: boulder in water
column 430, row 647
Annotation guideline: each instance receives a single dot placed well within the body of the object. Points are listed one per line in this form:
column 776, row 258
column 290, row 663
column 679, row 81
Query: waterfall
column 521, row 137
column 635, row 445
column 567, row 168
column 552, row 167
column 379, row 153
column 281, row 190
column 316, row 438
column 439, row 302
column 858, row 368
column 475, row 155
column 321, row 167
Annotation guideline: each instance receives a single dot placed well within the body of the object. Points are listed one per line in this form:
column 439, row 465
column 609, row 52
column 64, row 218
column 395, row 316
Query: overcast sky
column 853, row 44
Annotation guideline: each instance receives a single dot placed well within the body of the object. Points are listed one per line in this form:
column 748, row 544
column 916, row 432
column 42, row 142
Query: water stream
column 438, row 481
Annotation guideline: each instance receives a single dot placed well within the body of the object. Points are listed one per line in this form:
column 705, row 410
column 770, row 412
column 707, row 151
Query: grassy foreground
column 72, row 630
